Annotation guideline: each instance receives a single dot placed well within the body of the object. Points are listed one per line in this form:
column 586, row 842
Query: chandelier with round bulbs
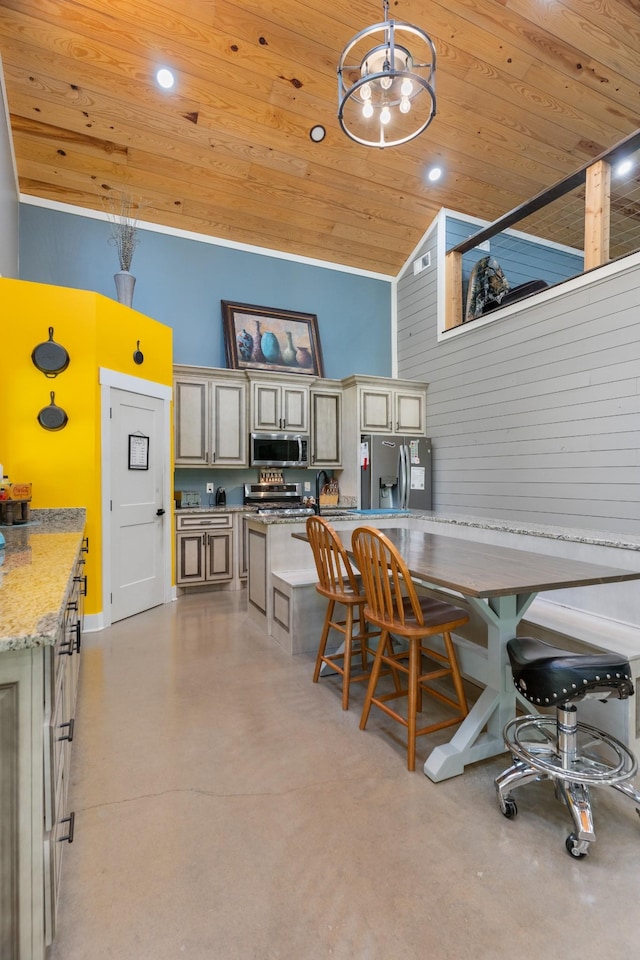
column 386, row 91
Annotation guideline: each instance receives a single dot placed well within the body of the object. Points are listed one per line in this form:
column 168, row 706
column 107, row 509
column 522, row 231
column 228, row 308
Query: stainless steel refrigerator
column 395, row 472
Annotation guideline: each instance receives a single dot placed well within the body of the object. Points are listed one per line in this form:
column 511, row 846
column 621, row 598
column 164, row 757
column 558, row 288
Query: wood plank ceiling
column 528, row 91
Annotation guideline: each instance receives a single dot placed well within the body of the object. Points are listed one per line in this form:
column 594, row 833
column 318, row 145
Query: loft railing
column 584, row 221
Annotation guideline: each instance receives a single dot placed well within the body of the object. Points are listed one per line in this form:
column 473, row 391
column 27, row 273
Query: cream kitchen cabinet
column 382, row 405
column 326, row 424
column 204, row 548
column 210, row 417
column 280, row 403
column 38, row 686
column 378, row 405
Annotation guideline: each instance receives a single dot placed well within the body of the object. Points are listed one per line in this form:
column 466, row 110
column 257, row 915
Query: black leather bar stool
column 575, row 756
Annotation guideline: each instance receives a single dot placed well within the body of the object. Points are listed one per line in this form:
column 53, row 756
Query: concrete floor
column 228, row 809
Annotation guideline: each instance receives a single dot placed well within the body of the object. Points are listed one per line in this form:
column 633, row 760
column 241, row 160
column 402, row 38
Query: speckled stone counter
column 552, row 532
column 333, row 516
column 35, row 569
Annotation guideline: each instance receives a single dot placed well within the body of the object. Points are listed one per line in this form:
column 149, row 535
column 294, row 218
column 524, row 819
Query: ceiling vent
column 421, row 263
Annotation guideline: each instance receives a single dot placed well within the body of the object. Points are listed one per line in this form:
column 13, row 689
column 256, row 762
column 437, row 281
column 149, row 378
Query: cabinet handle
column 71, row 820
column 77, row 626
column 85, row 545
column 83, row 589
column 66, row 648
column 70, row 725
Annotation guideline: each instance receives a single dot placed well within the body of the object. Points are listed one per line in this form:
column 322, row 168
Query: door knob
column 160, row 512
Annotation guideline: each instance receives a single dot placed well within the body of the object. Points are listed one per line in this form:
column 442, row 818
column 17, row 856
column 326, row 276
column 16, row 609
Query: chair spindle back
column 387, row 583
column 335, row 572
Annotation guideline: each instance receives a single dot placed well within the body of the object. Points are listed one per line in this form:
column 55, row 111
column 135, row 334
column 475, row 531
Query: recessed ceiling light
column 623, row 168
column 434, row 174
column 317, row 133
column 165, row 78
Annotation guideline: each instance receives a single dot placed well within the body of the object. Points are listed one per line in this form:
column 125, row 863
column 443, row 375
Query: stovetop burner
column 276, row 499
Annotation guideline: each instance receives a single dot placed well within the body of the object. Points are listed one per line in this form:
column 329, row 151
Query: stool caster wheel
column 576, row 848
column 508, row 808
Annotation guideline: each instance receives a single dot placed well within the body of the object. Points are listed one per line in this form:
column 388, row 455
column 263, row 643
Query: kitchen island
column 281, row 575
column 42, row 584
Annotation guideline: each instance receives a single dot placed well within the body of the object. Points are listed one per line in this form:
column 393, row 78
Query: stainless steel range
column 276, row 499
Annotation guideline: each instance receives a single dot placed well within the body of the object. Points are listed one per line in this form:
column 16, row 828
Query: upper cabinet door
column 191, row 412
column 230, row 442
column 266, row 402
column 326, row 428
column 376, row 410
column 410, row 412
column 295, row 409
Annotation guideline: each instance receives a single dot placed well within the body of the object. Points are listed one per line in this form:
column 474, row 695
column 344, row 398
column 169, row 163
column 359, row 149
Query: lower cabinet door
column 219, row 555
column 191, row 557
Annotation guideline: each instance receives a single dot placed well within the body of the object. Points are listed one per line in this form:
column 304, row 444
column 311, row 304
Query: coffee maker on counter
column 221, row 497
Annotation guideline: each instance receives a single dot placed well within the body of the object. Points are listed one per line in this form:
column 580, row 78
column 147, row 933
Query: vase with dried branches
column 123, row 211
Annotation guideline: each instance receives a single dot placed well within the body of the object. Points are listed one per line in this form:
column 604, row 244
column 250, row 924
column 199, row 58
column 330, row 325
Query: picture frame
column 270, row 339
column 138, row 451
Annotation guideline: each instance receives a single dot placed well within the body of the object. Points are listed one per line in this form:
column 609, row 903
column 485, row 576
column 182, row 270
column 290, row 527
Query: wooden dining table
column 500, row 583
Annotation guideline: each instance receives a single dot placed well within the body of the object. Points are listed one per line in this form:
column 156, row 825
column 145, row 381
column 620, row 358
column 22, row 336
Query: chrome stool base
column 575, row 756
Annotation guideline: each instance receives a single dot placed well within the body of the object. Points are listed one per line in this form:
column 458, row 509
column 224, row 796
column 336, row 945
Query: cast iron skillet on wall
column 53, row 417
column 50, row 357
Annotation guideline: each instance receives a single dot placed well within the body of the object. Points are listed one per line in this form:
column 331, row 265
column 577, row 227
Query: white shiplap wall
column 535, row 416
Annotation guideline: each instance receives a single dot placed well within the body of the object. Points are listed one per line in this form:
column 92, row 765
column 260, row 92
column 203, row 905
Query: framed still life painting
column 263, row 338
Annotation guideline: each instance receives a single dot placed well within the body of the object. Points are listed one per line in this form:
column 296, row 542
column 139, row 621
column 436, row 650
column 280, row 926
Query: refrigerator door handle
column 407, row 465
column 404, row 492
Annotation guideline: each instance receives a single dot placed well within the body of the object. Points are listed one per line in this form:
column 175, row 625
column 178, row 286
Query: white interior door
column 137, row 505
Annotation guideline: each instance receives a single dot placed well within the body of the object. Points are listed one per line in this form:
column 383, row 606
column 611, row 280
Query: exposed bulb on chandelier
column 386, row 82
column 367, row 110
column 365, row 91
column 385, row 115
column 405, row 105
column 407, row 87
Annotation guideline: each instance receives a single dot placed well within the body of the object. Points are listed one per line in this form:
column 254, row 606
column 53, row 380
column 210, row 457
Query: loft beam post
column 453, row 288
column 597, row 215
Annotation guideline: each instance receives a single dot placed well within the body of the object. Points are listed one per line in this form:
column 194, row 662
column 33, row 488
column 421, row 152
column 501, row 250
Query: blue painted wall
column 180, row 282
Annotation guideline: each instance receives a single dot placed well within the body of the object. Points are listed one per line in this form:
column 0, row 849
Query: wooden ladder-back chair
column 394, row 607
column 339, row 584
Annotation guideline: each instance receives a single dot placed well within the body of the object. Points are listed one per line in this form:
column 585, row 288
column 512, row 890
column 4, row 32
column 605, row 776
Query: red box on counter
column 15, row 491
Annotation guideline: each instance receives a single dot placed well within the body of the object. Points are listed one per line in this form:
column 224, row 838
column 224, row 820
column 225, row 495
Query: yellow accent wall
column 65, row 466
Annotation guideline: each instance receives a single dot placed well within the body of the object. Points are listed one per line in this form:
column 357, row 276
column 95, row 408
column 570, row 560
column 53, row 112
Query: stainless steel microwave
column 279, row 450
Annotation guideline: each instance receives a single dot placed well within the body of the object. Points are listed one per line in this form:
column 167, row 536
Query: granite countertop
column 35, row 569
column 598, row 538
column 332, row 514
column 552, row 532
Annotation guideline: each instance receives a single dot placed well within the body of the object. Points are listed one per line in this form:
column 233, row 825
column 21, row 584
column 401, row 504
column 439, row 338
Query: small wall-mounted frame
column 138, row 451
